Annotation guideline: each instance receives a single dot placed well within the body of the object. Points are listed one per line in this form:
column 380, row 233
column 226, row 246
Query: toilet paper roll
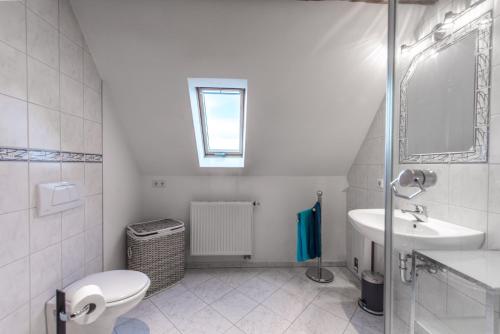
column 86, row 295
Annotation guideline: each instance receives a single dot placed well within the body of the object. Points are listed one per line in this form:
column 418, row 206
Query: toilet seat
column 116, row 285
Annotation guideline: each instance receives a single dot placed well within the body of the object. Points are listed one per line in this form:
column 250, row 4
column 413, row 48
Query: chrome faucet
column 420, row 213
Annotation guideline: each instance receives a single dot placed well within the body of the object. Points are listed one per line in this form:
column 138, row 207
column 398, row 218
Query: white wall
column 275, row 219
column 122, row 195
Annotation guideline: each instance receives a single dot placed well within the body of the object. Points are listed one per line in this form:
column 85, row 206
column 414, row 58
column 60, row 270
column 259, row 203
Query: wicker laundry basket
column 156, row 248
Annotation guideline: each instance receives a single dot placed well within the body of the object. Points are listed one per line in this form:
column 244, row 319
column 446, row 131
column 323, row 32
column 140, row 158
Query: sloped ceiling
column 315, row 70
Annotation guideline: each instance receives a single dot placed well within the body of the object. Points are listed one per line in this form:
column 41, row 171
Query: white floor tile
column 317, row 321
column 146, row 318
column 194, row 277
column 234, row 305
column 234, row 330
column 303, row 288
column 235, row 276
column 278, row 276
column 227, row 301
column 262, row 320
column 167, row 294
column 183, row 305
column 211, row 290
column 286, row 304
column 205, row 321
column 360, row 329
column 337, row 303
column 364, row 320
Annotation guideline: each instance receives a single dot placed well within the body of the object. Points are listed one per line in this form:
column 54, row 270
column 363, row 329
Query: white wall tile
column 494, row 189
column 16, row 321
column 42, row 172
column 54, row 63
column 92, row 105
column 93, row 178
column 77, row 275
column 37, row 312
column 495, row 52
column 14, row 286
column 494, row 93
column 493, row 231
column 93, row 209
column 93, row 266
column 43, row 40
column 45, row 270
column 474, row 219
column 374, row 172
column 73, row 222
column 91, row 76
column 14, row 184
column 14, row 240
column 73, row 171
column 48, row 9
column 494, row 145
column 44, row 128
column 44, row 231
column 71, row 133
column 68, row 23
column 73, row 254
column 71, row 96
column 93, row 137
column 13, row 24
column 469, row 185
column 43, row 84
column 71, row 58
column 93, row 242
column 440, row 192
column 14, row 122
column 12, row 72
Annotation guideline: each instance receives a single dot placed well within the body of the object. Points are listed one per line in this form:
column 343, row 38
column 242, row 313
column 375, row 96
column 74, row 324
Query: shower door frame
column 388, row 164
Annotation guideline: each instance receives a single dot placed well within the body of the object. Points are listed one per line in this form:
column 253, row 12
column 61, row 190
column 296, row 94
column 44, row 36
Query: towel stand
column 319, row 274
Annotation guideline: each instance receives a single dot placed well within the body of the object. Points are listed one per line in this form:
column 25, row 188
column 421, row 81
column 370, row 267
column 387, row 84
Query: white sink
column 409, row 234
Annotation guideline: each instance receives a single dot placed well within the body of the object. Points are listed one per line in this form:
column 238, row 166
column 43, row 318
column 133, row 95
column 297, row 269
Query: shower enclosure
column 442, row 116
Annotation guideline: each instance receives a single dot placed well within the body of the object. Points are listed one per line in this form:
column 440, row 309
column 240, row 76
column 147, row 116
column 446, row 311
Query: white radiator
column 221, row 228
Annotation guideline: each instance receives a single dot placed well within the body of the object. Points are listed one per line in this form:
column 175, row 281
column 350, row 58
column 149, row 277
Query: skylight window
column 219, row 119
column 221, row 113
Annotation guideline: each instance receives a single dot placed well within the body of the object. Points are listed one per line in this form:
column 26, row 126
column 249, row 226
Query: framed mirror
column 444, row 108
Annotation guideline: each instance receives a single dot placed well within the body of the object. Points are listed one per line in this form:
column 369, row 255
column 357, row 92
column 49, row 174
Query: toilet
column 122, row 291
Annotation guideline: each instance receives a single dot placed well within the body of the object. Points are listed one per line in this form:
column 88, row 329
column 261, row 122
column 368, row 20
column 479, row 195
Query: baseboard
column 246, row 264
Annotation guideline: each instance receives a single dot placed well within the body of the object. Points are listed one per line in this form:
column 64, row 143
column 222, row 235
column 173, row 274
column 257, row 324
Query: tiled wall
column 50, row 114
column 466, row 194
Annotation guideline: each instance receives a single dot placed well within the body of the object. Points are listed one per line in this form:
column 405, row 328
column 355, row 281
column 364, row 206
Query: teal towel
column 317, row 229
column 305, row 235
column 309, row 233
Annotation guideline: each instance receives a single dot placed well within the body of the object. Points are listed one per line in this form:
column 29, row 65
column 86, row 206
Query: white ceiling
column 315, row 70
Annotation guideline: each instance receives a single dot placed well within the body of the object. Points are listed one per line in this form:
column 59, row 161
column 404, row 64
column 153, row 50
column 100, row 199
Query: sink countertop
column 479, row 266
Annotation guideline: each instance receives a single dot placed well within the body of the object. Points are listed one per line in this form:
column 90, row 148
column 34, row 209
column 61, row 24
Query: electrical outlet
column 380, row 183
column 159, row 184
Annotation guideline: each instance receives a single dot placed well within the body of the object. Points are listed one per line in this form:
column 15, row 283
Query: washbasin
column 409, row 234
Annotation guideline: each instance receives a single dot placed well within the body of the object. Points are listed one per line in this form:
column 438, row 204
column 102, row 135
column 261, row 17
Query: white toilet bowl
column 122, row 291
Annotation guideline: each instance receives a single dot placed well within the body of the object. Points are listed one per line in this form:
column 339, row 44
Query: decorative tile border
column 93, row 157
column 24, row 154
column 72, row 157
column 39, row 155
column 13, row 154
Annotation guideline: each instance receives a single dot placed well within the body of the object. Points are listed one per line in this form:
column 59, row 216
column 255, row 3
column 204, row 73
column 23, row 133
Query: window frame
column 204, row 128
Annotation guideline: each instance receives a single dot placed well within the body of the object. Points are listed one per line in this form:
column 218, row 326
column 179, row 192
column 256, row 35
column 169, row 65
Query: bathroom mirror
column 444, row 110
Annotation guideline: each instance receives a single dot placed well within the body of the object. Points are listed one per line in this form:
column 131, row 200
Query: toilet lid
column 116, row 285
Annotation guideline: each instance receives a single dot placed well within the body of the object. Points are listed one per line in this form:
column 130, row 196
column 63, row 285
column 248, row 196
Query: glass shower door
column 439, row 121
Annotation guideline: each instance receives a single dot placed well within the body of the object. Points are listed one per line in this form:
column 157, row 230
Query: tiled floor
column 253, row 301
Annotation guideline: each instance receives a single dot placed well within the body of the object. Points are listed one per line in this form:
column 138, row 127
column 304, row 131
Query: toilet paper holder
column 63, row 317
